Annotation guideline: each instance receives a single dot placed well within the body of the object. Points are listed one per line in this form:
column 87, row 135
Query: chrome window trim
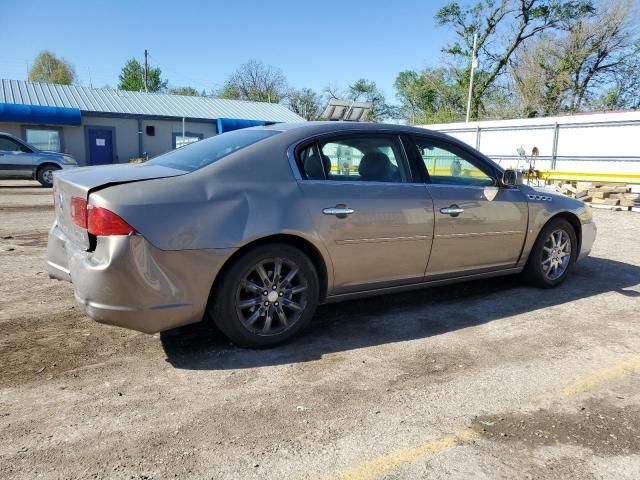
column 478, row 187
column 360, row 182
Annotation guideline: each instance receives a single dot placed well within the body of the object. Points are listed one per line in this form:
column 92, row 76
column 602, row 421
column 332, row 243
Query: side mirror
column 512, row 178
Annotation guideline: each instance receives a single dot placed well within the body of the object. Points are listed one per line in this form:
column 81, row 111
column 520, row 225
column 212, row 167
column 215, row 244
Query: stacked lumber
column 612, row 196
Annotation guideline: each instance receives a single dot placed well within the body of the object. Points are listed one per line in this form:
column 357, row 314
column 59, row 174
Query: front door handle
column 453, row 210
column 340, row 211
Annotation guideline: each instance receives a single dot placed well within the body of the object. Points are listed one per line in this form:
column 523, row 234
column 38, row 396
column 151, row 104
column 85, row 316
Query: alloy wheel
column 556, row 254
column 47, row 176
column 271, row 297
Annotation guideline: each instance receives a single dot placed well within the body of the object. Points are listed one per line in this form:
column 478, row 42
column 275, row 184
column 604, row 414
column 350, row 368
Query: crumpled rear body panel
column 237, row 199
column 128, row 282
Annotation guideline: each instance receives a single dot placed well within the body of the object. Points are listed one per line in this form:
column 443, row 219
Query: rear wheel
column 45, row 175
column 552, row 255
column 267, row 296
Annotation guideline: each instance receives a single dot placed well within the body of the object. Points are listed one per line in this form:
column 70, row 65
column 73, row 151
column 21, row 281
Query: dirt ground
column 489, row 379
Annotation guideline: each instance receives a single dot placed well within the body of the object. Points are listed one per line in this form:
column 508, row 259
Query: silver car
column 254, row 228
column 19, row 159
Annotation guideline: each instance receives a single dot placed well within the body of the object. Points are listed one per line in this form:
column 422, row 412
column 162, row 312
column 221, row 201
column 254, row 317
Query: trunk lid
column 80, row 182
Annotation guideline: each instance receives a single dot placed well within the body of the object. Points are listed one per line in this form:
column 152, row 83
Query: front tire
column 553, row 254
column 266, row 296
column 45, row 175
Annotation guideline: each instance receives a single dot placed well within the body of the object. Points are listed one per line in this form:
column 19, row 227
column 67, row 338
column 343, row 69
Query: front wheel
column 267, row 296
column 553, row 254
column 45, row 175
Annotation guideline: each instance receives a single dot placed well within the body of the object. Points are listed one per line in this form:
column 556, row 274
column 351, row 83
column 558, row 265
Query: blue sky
column 199, row 43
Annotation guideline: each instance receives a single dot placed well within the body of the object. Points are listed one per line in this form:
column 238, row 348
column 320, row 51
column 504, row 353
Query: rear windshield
column 205, row 152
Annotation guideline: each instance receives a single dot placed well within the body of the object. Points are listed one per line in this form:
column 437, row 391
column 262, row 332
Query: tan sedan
column 253, row 228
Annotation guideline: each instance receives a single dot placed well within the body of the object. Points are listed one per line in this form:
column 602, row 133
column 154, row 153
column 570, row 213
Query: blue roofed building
column 101, row 125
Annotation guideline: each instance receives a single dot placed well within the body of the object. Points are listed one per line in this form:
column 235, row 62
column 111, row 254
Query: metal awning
column 12, row 112
column 228, row 124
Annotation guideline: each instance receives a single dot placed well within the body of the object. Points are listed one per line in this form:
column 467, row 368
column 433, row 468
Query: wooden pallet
column 610, row 196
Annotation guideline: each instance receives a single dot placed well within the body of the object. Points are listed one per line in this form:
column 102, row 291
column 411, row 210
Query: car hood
column 560, row 201
column 51, row 155
column 543, row 191
column 61, row 158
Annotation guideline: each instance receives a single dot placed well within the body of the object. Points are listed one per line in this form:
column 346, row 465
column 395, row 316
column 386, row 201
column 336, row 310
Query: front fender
column 543, row 206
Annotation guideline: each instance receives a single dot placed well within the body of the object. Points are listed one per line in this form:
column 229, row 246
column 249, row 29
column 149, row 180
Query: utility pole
column 146, row 71
column 474, row 64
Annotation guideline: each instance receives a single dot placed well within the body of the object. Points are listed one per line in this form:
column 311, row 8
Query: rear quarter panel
column 241, row 198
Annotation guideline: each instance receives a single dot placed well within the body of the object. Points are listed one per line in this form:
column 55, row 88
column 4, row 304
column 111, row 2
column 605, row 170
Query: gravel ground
column 488, row 379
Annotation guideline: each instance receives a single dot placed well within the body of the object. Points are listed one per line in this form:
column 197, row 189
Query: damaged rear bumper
column 128, row 282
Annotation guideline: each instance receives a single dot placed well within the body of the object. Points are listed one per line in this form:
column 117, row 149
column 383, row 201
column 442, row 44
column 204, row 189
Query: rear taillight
column 79, row 211
column 98, row 220
column 102, row 222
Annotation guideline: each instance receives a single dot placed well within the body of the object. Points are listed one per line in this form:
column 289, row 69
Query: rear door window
column 357, row 157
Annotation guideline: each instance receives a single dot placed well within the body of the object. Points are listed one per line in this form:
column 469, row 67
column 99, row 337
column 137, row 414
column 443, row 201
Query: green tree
column 305, row 102
column 49, row 68
column 364, row 90
column 539, row 78
column 596, row 64
column 439, row 95
column 132, row 78
column 502, row 27
column 624, row 93
column 186, row 91
column 434, row 95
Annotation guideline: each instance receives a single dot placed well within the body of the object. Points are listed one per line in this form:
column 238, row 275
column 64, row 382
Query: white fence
column 591, row 143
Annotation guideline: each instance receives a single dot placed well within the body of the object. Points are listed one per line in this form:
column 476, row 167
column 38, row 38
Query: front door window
column 446, row 165
column 9, row 145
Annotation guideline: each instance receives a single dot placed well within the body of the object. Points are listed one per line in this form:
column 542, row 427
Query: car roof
column 295, row 132
column 312, row 128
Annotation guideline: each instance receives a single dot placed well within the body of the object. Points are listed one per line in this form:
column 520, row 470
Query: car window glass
column 312, row 166
column 9, row 145
column 371, row 158
column 444, row 166
column 205, row 152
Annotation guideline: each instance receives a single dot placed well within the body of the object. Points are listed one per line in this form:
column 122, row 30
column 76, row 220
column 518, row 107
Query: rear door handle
column 453, row 210
column 340, row 211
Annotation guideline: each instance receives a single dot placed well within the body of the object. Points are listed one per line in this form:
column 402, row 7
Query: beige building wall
column 12, row 128
column 127, row 135
column 162, row 141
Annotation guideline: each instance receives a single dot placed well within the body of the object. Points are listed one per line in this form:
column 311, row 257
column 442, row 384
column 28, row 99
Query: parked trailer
column 599, row 146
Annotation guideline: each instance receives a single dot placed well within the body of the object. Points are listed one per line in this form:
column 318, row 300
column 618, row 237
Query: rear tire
column 553, row 254
column 45, row 175
column 268, row 295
